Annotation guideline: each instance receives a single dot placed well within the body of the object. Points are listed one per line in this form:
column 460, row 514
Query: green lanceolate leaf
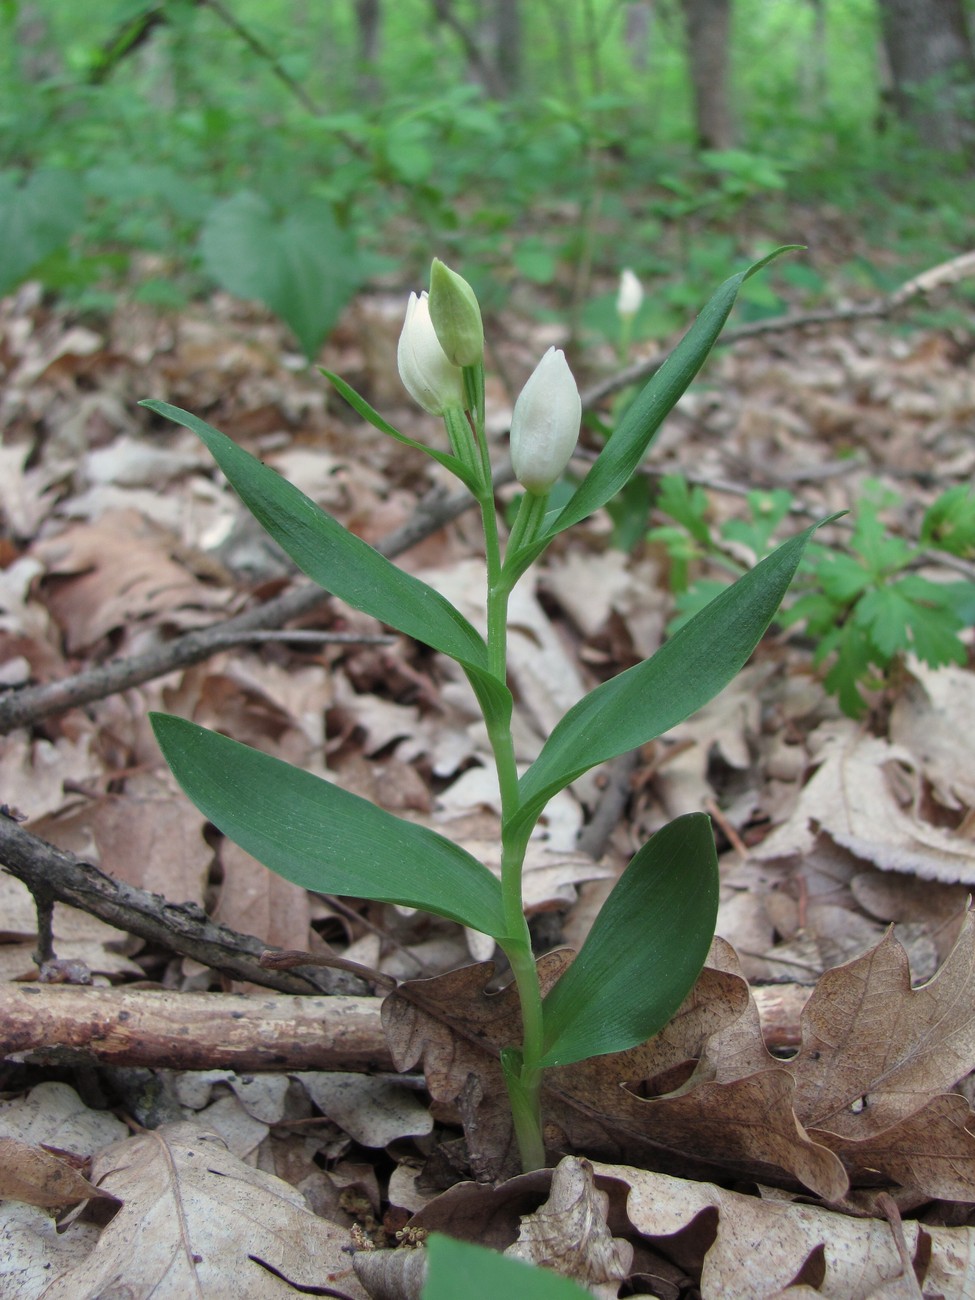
column 628, row 443
column 372, row 416
column 346, row 565
column 644, row 951
column 458, row 1268
column 324, row 838
column 688, row 670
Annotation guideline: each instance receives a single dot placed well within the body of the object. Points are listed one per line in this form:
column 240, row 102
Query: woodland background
column 197, row 200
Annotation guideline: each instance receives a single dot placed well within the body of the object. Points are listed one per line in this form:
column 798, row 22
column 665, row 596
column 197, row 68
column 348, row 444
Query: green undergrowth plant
column 866, row 606
column 648, row 944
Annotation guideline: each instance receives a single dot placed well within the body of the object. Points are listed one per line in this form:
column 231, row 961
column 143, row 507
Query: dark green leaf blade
column 372, row 416
column 459, row 1268
column 629, row 441
column 343, row 563
column 324, row 838
column 689, row 669
column 644, row 951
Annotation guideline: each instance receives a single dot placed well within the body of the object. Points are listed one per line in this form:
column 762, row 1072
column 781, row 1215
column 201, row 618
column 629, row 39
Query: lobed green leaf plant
column 648, row 944
column 865, row 606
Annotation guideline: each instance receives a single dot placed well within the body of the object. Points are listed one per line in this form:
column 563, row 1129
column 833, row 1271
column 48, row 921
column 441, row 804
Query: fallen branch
column 950, row 272
column 52, row 873
column 22, row 707
column 48, row 1024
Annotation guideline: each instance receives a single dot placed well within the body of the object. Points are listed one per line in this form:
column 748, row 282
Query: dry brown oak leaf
column 867, row 1094
column 196, row 1221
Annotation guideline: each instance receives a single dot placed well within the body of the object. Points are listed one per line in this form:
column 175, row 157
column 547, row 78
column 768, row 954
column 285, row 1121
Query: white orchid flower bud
column 428, row 376
column 545, row 424
column 630, row 295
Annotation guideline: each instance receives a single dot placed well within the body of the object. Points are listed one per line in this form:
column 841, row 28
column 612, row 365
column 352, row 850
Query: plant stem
column 521, row 1070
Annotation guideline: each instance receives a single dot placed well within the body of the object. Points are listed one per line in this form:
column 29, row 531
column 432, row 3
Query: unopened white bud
column 427, row 374
column 545, row 424
column 630, row 295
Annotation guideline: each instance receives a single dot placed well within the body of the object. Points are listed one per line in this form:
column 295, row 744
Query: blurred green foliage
column 186, row 138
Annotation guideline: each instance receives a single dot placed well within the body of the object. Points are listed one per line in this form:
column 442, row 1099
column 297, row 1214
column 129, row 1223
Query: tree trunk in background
column 639, row 16
column 812, row 69
column 506, row 23
column 483, row 69
column 933, row 69
column 708, row 24
column 368, row 28
column 37, row 54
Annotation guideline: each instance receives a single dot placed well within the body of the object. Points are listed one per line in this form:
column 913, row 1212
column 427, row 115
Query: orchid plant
column 649, row 942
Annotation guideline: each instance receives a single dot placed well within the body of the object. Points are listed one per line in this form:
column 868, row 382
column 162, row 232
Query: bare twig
column 595, row 835
column 949, row 272
column 24, row 706
column 183, row 927
column 61, row 1024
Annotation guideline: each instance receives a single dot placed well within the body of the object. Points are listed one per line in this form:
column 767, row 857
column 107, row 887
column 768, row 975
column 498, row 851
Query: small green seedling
column 648, row 944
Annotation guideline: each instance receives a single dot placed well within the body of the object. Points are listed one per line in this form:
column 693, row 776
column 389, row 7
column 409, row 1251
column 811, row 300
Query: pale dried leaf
column 196, row 1220
column 115, row 572
column 934, row 718
column 52, row 1114
column 257, row 901
column 33, row 1249
column 852, row 797
column 375, row 1112
column 853, row 1256
column 569, row 1233
column 30, row 1174
column 875, row 1050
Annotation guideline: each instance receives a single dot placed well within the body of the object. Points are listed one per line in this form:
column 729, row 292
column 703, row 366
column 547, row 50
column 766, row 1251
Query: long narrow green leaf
column 644, row 951
column 688, row 670
column 343, row 563
column 324, row 838
column 372, row 416
column 628, row 443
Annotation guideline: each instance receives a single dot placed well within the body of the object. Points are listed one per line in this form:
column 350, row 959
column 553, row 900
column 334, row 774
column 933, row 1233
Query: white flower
column 630, row 295
column 428, row 376
column 545, row 424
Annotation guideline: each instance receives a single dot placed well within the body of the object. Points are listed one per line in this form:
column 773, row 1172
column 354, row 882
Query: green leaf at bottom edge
column 322, row 837
column 459, row 1268
column 644, row 951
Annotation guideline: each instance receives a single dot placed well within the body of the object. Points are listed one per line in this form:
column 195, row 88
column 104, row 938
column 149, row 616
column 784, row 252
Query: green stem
column 521, row 1067
column 524, row 1096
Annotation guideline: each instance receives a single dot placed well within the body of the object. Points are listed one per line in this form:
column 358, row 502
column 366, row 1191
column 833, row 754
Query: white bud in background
column 630, row 295
column 545, row 424
column 428, row 376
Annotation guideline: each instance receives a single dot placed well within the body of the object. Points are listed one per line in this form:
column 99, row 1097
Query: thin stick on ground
column 182, row 927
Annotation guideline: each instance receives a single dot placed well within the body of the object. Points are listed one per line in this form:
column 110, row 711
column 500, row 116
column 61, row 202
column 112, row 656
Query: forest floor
column 812, row 1093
